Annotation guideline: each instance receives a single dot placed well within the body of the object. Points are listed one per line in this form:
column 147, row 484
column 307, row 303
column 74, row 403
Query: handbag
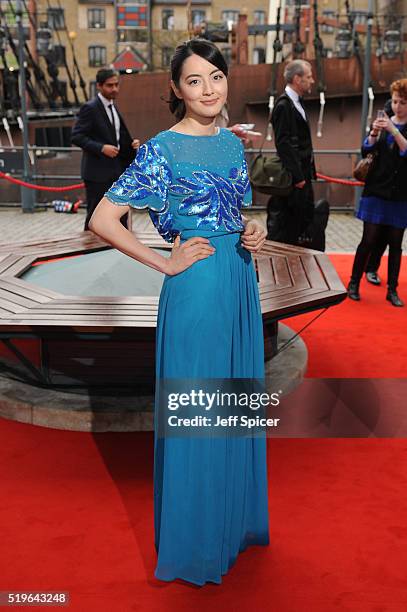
column 364, row 166
column 268, row 175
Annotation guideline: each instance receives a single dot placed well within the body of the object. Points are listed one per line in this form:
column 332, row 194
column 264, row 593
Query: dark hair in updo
column 197, row 46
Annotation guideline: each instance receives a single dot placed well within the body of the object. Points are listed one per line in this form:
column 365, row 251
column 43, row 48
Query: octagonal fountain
column 77, row 325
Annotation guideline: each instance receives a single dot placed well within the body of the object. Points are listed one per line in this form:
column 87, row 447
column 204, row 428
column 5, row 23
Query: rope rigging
column 277, row 48
column 72, row 83
column 355, row 34
column 9, row 99
column 319, row 63
column 38, row 71
column 299, row 47
column 82, row 82
column 30, row 89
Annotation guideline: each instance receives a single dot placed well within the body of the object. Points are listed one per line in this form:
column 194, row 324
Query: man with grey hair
column 288, row 217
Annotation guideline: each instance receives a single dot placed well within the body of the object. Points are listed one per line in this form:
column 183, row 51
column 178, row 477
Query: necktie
column 113, row 121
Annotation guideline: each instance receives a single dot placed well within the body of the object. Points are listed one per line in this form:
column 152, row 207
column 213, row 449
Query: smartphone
column 381, row 114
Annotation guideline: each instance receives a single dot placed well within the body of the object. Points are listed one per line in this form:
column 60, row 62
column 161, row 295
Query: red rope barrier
column 328, row 179
column 39, row 187
column 331, row 179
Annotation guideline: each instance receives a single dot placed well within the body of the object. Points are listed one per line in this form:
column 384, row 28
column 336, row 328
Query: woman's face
column 399, row 106
column 202, row 86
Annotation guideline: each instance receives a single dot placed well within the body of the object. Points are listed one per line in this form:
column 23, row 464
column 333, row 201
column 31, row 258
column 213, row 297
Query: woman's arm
column 400, row 140
column 105, row 222
column 372, row 137
column 387, row 124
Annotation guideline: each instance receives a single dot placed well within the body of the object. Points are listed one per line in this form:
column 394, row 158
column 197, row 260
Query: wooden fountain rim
column 291, row 280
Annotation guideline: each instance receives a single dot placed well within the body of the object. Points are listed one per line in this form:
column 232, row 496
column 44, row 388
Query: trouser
column 379, row 248
column 371, row 232
column 94, row 193
column 288, row 217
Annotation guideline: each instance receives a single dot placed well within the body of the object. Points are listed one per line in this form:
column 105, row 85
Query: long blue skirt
column 210, row 494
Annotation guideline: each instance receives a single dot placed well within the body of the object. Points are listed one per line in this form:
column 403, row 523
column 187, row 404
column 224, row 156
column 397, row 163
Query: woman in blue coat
column 383, row 206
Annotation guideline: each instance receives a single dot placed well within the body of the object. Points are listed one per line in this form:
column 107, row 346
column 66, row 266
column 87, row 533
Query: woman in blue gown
column 210, row 492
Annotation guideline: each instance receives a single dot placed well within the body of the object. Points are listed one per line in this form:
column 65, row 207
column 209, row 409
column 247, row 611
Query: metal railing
column 58, row 159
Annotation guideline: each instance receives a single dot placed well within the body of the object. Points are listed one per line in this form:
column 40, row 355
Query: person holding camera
column 373, row 265
column 384, row 198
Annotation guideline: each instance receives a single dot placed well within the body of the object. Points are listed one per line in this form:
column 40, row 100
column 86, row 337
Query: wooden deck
column 55, row 339
column 291, row 280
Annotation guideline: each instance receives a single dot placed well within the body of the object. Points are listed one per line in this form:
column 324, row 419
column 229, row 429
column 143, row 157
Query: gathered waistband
column 192, row 233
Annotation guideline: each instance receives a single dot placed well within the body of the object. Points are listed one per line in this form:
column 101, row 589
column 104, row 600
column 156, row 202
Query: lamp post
column 366, row 71
column 366, row 84
column 27, row 195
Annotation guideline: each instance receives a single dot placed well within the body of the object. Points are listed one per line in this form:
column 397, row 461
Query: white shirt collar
column 291, row 93
column 105, row 101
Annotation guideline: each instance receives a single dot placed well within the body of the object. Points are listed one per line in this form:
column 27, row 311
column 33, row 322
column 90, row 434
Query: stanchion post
column 366, row 83
column 27, row 195
column 366, row 70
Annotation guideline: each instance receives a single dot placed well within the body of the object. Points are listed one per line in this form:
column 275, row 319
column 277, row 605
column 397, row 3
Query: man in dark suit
column 288, row 217
column 107, row 145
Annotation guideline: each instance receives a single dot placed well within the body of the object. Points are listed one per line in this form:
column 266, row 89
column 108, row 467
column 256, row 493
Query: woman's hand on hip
column 253, row 236
column 184, row 255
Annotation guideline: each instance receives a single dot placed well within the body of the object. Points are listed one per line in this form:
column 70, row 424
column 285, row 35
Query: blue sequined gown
column 210, row 494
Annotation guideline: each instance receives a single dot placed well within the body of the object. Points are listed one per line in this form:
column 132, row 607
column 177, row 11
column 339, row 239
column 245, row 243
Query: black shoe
column 394, row 298
column 353, row 291
column 373, row 278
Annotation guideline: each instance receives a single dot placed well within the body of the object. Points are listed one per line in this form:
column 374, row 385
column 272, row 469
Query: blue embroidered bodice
column 187, row 182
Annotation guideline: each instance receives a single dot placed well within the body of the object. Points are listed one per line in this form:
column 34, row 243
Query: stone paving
column 343, row 232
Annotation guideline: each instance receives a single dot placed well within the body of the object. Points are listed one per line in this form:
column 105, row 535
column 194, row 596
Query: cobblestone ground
column 343, row 232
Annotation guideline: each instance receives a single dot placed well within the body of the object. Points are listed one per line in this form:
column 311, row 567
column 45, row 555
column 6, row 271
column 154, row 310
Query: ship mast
column 274, row 6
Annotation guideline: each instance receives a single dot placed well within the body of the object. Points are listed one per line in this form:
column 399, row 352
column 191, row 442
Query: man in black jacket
column 107, row 145
column 288, row 217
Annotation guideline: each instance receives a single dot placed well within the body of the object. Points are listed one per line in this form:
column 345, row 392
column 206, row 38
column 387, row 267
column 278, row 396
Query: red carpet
column 76, row 509
column 358, row 339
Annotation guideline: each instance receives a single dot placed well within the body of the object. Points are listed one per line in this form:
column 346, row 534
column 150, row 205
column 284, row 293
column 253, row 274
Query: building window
column 259, row 17
column 166, row 55
column 198, row 17
column 132, row 35
column 56, row 18
column 359, row 17
column 97, row 56
column 227, row 54
column 167, row 19
column 96, row 19
column 230, row 16
column 328, row 29
column 59, row 55
column 259, row 55
column 92, row 89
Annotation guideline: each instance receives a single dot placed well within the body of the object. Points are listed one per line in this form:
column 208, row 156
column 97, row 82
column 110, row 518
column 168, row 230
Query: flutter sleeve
column 145, row 183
